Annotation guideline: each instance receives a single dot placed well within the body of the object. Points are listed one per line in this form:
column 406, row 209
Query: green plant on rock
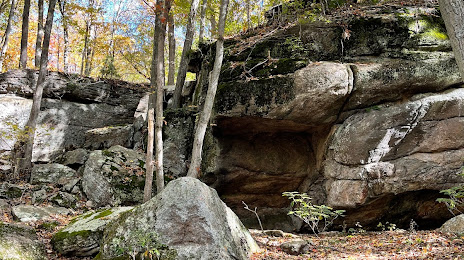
column 455, row 202
column 318, row 217
column 146, row 245
column 387, row 226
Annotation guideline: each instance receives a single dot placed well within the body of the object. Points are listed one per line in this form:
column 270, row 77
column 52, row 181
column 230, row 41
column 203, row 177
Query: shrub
column 455, row 202
column 318, row 217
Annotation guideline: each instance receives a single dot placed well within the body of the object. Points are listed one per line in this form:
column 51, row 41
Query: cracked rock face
column 397, row 149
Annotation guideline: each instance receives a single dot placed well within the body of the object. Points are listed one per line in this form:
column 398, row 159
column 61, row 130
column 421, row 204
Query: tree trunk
column 6, row 37
column 40, row 32
column 158, row 81
column 32, row 121
column 24, row 34
column 200, row 130
column 64, row 20
column 201, row 36
column 85, row 51
column 182, row 71
column 149, row 162
column 212, row 20
column 172, row 51
column 453, row 15
column 248, row 9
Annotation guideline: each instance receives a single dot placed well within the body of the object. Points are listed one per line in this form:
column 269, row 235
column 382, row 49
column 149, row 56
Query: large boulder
column 186, row 221
column 82, row 236
column 114, row 177
column 18, row 242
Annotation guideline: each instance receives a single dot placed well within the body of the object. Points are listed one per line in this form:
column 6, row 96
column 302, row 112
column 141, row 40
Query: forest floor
column 399, row 244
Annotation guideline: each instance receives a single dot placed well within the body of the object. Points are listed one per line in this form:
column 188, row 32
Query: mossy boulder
column 20, row 242
column 187, row 220
column 84, row 233
column 114, row 177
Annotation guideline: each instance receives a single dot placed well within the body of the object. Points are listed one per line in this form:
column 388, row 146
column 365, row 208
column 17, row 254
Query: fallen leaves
column 369, row 245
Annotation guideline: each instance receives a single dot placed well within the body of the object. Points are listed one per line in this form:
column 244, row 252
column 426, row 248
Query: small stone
column 64, row 199
column 295, row 247
column 39, row 196
column 89, row 204
column 70, row 185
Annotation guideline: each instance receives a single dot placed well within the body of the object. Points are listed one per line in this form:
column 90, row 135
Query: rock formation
column 366, row 117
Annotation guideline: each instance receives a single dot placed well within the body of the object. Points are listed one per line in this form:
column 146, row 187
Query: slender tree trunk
column 201, row 36
column 40, row 33
column 182, row 71
column 212, row 20
column 248, row 10
column 6, row 37
column 158, row 81
column 64, row 20
column 200, row 130
column 85, row 51
column 149, row 162
column 91, row 51
column 24, row 34
column 453, row 15
column 32, row 121
column 58, row 53
column 172, row 51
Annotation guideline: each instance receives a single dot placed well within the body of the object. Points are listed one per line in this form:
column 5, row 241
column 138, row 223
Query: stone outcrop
column 71, row 106
column 187, row 220
column 366, row 117
column 368, row 120
column 82, row 236
column 19, row 242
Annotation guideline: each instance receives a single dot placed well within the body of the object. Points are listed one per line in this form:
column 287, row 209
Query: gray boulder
column 20, row 242
column 187, row 220
column 82, row 236
column 114, row 177
column 454, row 225
column 11, row 191
column 75, row 157
column 53, row 173
column 26, row 213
